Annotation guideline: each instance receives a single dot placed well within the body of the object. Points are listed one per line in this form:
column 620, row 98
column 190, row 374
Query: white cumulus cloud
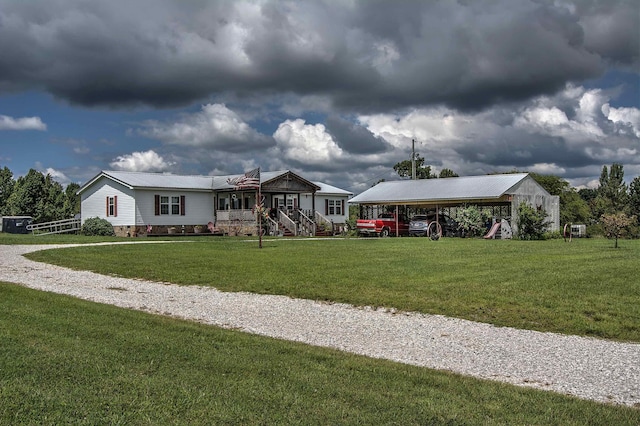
column 306, row 143
column 214, row 126
column 24, row 123
column 624, row 117
column 148, row 161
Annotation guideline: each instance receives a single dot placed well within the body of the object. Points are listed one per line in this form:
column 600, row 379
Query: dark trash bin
column 16, row 224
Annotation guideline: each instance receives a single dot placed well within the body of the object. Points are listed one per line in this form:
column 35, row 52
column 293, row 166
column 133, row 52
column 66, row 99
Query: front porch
column 274, row 222
column 287, row 207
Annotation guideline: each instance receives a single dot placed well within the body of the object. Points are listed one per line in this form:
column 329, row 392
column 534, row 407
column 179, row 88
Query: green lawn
column 68, row 361
column 585, row 287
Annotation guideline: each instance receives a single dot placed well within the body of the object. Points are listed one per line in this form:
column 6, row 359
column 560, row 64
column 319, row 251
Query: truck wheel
column 384, row 233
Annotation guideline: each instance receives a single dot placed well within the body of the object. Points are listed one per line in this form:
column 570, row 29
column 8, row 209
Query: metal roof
column 458, row 189
column 195, row 183
column 325, row 188
column 160, row 180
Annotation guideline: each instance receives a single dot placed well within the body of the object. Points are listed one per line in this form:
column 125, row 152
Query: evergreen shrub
column 95, row 226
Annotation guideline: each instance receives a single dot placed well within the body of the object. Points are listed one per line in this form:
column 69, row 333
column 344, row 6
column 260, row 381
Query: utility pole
column 413, row 159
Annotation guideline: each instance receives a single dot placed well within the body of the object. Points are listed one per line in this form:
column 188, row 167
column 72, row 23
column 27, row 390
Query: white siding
column 321, row 204
column 529, row 191
column 198, row 208
column 94, row 202
column 306, row 202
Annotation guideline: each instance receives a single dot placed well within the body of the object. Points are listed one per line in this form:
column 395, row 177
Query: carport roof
column 443, row 190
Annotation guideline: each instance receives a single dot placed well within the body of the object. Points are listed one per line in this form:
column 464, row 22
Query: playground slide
column 493, row 230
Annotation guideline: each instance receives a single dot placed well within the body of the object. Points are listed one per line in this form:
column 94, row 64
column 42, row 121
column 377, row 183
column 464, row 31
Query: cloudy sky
column 333, row 90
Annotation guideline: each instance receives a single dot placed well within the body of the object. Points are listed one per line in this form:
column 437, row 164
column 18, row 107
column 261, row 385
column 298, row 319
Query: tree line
column 37, row 195
column 613, row 199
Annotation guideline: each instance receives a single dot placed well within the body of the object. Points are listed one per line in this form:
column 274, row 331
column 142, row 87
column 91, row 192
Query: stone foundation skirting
column 143, row 231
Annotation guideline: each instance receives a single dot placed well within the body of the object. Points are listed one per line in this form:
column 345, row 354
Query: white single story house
column 154, row 203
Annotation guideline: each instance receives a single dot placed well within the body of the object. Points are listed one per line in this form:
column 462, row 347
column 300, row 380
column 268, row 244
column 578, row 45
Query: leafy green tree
column 532, row 223
column 588, row 194
column 404, row 169
column 71, row 200
column 41, row 197
column 51, row 206
column 616, row 225
column 471, row 221
column 6, row 188
column 612, row 190
column 27, row 193
column 447, row 173
column 634, row 198
column 573, row 209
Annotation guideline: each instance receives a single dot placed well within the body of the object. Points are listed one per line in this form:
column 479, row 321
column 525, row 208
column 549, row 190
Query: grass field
column 585, row 287
column 68, row 361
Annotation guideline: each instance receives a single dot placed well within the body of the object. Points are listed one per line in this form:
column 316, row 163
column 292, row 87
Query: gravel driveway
column 587, row 368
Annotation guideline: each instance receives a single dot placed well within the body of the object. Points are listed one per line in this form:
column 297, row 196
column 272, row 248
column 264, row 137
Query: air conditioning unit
column 578, row 231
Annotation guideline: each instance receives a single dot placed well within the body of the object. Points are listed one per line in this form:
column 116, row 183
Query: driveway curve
column 587, row 368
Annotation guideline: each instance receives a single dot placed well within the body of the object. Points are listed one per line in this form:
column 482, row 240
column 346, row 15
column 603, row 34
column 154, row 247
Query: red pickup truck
column 383, row 226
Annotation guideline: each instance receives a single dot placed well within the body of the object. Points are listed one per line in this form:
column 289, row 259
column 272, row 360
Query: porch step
column 323, row 233
column 287, row 233
column 284, row 231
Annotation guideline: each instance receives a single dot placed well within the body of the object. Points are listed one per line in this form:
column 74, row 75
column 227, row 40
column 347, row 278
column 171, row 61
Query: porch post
column 397, row 230
column 259, row 207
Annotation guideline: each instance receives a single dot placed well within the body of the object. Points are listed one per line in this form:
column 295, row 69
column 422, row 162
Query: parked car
column 425, row 224
column 383, row 226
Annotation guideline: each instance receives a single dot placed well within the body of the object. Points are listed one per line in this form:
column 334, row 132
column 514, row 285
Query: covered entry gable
column 286, row 181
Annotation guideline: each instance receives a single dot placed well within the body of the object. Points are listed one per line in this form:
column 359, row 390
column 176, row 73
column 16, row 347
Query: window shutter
column 115, row 205
column 326, row 206
column 182, row 203
column 107, row 206
column 343, row 207
column 157, row 205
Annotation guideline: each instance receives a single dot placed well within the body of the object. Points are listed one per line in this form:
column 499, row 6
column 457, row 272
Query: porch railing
column 241, row 215
column 307, row 226
column 272, row 226
column 287, row 222
column 323, row 220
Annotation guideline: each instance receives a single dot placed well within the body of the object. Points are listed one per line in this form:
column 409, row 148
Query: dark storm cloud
column 612, row 29
column 353, row 138
column 520, row 150
column 363, row 56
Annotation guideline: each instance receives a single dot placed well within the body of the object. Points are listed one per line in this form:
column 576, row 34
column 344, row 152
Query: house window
column 335, row 207
column 164, row 205
column 223, row 204
column 292, row 201
column 112, row 206
column 174, row 205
